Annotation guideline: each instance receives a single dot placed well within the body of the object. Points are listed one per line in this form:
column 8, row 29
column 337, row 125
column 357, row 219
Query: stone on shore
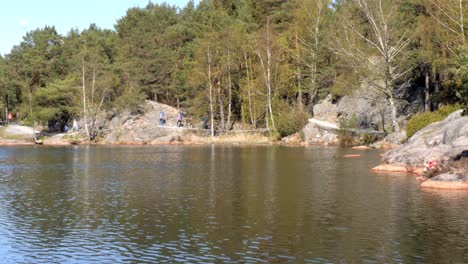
column 448, row 181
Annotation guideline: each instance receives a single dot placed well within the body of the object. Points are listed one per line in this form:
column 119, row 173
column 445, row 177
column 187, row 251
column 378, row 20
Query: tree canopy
column 243, row 61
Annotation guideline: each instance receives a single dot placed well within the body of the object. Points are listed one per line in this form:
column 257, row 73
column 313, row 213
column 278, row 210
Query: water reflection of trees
column 228, row 202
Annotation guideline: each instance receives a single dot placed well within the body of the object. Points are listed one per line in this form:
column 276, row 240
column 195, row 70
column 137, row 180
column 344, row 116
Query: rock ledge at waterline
column 443, row 140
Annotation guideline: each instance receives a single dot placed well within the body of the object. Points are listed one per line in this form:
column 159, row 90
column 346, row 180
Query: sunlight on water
column 220, row 204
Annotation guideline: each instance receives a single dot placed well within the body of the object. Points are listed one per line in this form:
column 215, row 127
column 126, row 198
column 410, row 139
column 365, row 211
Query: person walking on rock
column 179, row 119
column 162, row 119
column 74, row 126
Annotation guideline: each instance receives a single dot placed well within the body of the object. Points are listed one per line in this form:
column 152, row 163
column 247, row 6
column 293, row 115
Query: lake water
column 220, row 204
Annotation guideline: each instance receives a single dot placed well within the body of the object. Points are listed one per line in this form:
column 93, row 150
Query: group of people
column 162, row 118
column 74, row 126
column 180, row 117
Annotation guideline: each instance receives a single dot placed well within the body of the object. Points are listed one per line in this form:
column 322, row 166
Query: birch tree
column 450, row 15
column 311, row 17
column 376, row 46
column 265, row 56
column 97, row 77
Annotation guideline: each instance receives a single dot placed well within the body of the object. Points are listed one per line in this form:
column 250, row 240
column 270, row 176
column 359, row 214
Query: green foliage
column 345, row 133
column 130, row 100
column 345, row 84
column 159, row 52
column 459, row 81
column 368, row 139
column 421, row 120
column 56, row 99
column 73, row 139
column 446, row 110
column 290, row 121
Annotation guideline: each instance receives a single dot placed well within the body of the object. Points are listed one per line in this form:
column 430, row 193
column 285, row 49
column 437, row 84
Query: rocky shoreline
column 442, row 141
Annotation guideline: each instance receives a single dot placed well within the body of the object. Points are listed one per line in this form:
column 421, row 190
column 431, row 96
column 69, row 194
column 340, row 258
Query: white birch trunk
column 85, row 113
column 228, row 126
column 210, row 86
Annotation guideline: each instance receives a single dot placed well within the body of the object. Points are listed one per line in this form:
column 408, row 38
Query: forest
column 258, row 64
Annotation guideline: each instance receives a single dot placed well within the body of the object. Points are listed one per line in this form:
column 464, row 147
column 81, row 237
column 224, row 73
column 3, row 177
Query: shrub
column 290, row 121
column 345, row 134
column 446, row 110
column 368, row 139
column 421, row 120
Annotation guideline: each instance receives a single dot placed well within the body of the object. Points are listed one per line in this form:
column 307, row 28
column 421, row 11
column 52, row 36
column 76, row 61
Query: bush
column 421, row 120
column 290, row 121
column 446, row 110
column 346, row 136
column 368, row 139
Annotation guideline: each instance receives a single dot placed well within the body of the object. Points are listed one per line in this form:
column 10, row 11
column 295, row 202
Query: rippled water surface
column 220, row 204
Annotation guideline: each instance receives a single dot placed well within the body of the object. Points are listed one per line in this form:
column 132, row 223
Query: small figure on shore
column 74, row 126
column 162, row 119
column 9, row 118
column 205, row 122
column 430, row 167
column 179, row 119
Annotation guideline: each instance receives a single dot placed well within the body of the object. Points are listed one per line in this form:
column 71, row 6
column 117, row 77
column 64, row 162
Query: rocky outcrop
column 392, row 140
column 326, row 110
column 372, row 111
column 320, row 132
column 443, row 140
column 144, row 128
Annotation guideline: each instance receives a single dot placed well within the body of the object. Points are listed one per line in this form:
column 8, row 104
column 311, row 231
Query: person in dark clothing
column 205, row 122
column 162, row 119
column 179, row 119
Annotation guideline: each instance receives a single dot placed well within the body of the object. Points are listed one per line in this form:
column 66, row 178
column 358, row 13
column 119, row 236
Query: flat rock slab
column 11, row 142
column 361, row 147
column 445, row 185
column 398, row 168
column 19, row 130
column 391, row 168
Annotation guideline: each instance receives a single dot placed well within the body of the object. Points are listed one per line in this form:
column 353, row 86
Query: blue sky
column 20, row 16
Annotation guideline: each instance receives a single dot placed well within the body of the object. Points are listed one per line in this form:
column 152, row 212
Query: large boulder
column 320, row 132
column 144, row 128
column 443, row 140
column 372, row 111
column 326, row 110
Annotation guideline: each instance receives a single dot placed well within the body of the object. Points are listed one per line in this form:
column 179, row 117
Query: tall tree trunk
column 210, row 86
column 31, row 112
column 427, row 106
column 314, row 55
column 92, row 112
column 85, row 112
column 221, row 105
column 6, row 107
column 268, row 74
column 228, row 126
column 462, row 22
column 436, row 89
column 298, row 73
column 396, row 126
column 249, row 92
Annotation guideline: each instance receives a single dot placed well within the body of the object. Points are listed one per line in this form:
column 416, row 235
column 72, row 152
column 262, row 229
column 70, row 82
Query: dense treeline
column 257, row 63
